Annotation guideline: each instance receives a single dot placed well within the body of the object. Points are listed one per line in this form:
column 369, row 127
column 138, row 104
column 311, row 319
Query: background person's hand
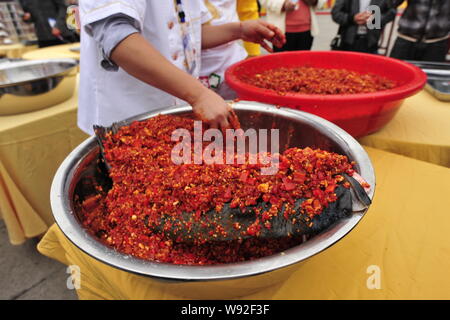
column 288, row 6
column 258, row 31
column 211, row 108
column 362, row 17
column 370, row 16
column 26, row 16
column 56, row 32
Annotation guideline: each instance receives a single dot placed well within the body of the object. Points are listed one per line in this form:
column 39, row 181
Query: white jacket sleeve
column 96, row 10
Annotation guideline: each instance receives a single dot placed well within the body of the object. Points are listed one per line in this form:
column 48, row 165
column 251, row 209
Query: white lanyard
column 187, row 37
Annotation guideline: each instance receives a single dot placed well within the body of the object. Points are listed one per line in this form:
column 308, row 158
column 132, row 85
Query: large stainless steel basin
column 217, row 281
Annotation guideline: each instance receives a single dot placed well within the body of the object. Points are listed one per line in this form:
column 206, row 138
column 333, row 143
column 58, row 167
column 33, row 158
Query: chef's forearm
column 213, row 36
column 140, row 59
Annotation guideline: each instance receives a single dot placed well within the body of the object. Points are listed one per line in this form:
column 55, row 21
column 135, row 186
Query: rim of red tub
column 415, row 83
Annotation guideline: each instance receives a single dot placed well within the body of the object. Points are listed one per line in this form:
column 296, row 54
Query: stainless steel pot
column 234, row 279
column 33, row 85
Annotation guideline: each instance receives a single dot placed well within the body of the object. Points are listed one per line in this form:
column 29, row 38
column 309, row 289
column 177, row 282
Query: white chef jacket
column 105, row 96
column 216, row 60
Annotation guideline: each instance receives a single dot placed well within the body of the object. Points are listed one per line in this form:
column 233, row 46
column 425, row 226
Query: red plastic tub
column 358, row 114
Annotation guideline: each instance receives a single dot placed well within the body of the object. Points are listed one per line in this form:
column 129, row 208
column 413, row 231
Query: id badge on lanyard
column 186, row 37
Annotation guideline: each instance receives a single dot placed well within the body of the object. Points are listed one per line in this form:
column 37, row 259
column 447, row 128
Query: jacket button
column 170, row 25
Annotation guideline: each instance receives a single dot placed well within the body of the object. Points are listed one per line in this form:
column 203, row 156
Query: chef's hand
column 211, row 108
column 259, row 31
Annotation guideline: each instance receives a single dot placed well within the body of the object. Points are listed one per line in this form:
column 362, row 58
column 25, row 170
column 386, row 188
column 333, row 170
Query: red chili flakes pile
column 309, row 80
column 147, row 183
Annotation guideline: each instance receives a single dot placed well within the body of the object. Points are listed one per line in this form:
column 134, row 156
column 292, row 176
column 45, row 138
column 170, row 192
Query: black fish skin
column 185, row 228
column 359, row 190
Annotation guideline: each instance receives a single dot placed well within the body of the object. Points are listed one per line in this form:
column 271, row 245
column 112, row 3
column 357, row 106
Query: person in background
column 297, row 19
column 423, row 31
column 353, row 17
column 248, row 10
column 49, row 18
column 139, row 55
column 215, row 61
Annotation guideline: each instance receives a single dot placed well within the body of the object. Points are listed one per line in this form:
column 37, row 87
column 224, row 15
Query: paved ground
column 25, row 274
column 328, row 30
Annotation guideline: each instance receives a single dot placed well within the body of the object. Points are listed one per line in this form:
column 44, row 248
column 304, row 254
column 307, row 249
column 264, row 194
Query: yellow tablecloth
column 420, row 130
column 32, row 146
column 405, row 234
column 54, row 52
column 14, row 51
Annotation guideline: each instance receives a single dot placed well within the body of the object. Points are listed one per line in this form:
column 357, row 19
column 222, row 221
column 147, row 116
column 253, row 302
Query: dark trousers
column 359, row 45
column 68, row 38
column 49, row 43
column 296, row 41
column 408, row 50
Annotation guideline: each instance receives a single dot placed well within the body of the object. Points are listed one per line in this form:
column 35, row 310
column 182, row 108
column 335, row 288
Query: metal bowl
column 297, row 129
column 33, row 85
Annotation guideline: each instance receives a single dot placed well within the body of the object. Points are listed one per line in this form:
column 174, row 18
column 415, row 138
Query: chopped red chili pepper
column 310, row 80
column 147, row 184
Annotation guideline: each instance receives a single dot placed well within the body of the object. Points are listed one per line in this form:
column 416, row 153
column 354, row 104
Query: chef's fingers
column 224, row 124
column 213, row 125
column 277, row 42
column 266, row 46
column 278, row 35
column 264, row 32
column 234, row 120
